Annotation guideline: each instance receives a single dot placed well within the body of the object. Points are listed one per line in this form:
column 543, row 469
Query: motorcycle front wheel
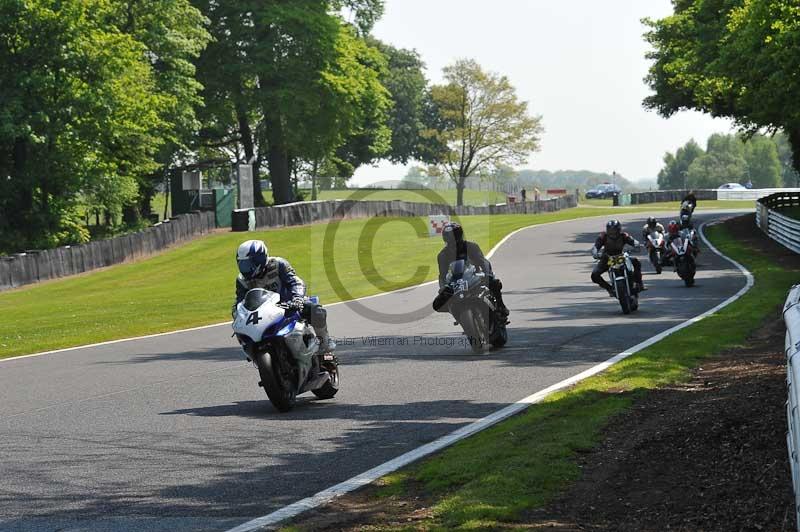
column 472, row 323
column 623, row 294
column 276, row 384
column 657, row 263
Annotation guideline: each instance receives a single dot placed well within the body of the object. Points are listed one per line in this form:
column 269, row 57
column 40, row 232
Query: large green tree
column 480, row 122
column 173, row 34
column 80, row 112
column 291, row 81
column 676, row 166
column 763, row 164
column 730, row 58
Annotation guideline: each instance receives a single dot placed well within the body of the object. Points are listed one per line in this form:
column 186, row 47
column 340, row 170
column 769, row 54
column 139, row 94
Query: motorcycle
column 683, row 256
column 621, row 278
column 656, row 247
column 283, row 347
column 474, row 308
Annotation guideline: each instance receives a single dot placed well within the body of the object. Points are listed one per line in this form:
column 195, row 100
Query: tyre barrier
column 33, row 266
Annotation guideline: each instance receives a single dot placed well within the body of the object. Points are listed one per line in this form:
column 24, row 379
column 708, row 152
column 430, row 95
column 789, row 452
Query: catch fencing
column 308, row 212
column 791, row 316
column 777, row 225
column 34, row 266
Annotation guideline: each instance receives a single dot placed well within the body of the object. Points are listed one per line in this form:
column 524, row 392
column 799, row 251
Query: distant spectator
column 535, row 194
column 524, row 194
column 749, row 184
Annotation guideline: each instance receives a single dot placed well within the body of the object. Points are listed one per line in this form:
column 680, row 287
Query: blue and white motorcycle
column 283, row 348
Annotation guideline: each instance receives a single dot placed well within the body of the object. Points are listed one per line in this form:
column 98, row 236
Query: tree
column 789, row 176
column 80, row 111
column 302, row 83
column 729, row 58
column 480, row 122
column 763, row 165
column 676, row 167
column 405, row 80
column 173, row 35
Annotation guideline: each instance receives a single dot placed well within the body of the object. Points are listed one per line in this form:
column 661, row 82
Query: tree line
column 736, row 59
column 758, row 160
column 103, row 99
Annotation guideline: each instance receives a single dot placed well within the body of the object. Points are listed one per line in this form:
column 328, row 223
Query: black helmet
column 685, row 220
column 613, row 229
column 651, row 222
column 452, row 233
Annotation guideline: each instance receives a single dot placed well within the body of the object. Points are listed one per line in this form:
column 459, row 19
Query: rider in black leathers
column 613, row 241
column 456, row 248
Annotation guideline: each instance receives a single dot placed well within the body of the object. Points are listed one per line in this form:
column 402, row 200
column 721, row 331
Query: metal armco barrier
column 40, row 265
column 779, row 227
column 791, row 316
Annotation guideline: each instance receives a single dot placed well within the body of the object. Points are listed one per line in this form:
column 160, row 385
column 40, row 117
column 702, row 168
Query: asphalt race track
column 172, row 432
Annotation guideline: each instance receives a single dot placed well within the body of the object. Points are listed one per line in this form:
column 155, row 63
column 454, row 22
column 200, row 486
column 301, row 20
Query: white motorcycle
column 656, row 248
column 283, row 348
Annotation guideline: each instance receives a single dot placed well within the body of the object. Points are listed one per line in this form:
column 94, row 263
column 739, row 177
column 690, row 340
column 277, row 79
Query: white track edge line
column 327, row 495
column 201, row 327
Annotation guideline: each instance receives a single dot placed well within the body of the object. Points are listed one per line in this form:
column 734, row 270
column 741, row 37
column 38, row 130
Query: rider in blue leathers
column 258, row 270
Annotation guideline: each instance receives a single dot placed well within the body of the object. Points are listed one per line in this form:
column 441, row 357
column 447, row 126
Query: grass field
column 488, row 481
column 193, row 284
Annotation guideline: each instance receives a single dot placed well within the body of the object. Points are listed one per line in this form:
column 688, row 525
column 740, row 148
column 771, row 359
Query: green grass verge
column 791, row 212
column 489, row 480
column 193, row 284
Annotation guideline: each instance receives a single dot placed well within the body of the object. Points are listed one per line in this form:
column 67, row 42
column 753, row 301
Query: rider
column 612, row 241
column 651, row 226
column 456, row 248
column 685, row 224
column 688, row 204
column 258, row 270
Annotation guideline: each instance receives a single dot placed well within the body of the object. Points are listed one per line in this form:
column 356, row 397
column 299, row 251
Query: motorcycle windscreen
column 257, row 297
column 457, row 268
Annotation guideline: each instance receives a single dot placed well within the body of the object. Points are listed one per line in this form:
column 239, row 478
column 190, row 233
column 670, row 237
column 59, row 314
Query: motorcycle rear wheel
column 280, row 395
column 330, row 388
column 500, row 336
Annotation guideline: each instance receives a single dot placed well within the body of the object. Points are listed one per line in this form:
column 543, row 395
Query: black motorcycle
column 620, row 276
column 474, row 307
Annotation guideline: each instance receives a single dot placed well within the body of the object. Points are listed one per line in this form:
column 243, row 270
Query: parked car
column 732, row 186
column 603, row 191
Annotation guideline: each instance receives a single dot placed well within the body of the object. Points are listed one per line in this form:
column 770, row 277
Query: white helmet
column 252, row 258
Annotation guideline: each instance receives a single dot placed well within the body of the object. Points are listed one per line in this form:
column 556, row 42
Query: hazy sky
column 579, row 63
